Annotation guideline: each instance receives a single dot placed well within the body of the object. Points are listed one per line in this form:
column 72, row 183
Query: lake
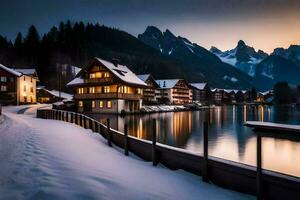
column 228, row 138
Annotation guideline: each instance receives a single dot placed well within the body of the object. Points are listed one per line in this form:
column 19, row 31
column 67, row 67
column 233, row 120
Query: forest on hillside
column 76, row 43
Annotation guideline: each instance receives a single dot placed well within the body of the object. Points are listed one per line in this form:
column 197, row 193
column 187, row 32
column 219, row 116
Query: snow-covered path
column 48, row 159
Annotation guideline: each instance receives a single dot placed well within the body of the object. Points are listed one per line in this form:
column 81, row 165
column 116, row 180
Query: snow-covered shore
column 47, row 159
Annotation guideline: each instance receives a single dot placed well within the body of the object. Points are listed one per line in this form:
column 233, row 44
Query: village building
column 265, row 97
column 201, row 92
column 17, row 86
column 217, row 96
column 105, row 87
column 51, row 96
column 174, row 91
column 150, row 93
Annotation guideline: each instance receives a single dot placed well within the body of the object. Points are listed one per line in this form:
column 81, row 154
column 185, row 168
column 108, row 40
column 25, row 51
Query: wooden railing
column 232, row 175
column 112, row 95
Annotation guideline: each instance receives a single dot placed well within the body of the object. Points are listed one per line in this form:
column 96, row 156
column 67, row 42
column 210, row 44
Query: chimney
column 115, row 61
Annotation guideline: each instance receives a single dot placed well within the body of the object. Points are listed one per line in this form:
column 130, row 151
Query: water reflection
column 228, row 138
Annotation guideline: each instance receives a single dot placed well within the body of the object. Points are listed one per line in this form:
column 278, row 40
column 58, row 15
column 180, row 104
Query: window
column 106, row 74
column 92, row 90
column 31, row 80
column 93, row 75
column 12, row 79
column 80, row 104
column 98, row 75
column 3, row 88
column 108, row 104
column 3, row 79
column 80, row 90
column 24, row 78
column 139, row 91
column 31, row 89
column 125, row 89
column 101, row 104
column 24, row 88
column 93, row 104
column 106, row 89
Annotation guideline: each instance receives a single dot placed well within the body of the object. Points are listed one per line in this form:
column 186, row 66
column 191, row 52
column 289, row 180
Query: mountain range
column 199, row 63
column 281, row 65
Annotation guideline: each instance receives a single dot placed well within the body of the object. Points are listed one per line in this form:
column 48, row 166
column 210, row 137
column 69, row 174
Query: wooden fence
column 228, row 174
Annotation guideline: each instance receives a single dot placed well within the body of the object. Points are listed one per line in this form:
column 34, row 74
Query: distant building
column 105, row 87
column 17, row 86
column 201, row 92
column 175, row 91
column 51, row 96
column 265, row 97
column 152, row 91
column 217, row 96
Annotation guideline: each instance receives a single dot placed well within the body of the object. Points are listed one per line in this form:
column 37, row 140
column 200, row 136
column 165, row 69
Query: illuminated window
column 3, row 88
column 80, row 103
column 125, row 89
column 80, row 90
column 139, row 91
column 98, row 75
column 101, row 104
column 106, row 74
column 92, row 75
column 3, row 79
column 93, row 104
column 31, row 89
column 106, row 89
column 92, row 90
column 108, row 104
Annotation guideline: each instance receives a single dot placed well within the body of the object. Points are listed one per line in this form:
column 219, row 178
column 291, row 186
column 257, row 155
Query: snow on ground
column 48, row 159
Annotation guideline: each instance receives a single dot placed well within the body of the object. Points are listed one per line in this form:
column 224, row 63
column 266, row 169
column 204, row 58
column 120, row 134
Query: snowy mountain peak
column 242, row 57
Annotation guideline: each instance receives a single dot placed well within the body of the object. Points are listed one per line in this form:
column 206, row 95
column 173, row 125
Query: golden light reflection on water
column 228, row 138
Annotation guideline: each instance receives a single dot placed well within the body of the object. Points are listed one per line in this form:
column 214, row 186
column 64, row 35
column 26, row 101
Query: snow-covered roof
column 120, row 71
column 62, row 94
column 75, row 81
column 199, row 86
column 9, row 70
column 143, row 77
column 29, row 72
column 167, row 83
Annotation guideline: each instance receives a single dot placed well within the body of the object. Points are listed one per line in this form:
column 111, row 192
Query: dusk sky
column 263, row 24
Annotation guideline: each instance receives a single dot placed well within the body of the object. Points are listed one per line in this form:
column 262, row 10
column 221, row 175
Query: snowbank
column 59, row 160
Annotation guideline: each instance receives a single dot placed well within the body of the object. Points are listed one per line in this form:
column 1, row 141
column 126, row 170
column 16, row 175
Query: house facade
column 105, row 87
column 201, row 92
column 150, row 93
column 17, row 86
column 174, row 91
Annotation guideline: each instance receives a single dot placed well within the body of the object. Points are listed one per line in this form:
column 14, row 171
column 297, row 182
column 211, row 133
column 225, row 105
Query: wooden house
column 150, row 93
column 175, row 91
column 17, row 86
column 201, row 92
column 105, row 87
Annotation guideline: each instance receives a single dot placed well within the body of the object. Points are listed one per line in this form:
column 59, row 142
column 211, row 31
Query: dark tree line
column 75, row 44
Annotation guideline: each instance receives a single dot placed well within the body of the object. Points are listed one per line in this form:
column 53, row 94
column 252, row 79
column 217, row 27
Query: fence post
column 91, row 125
column 84, row 122
column 154, row 159
column 96, row 126
column 126, row 140
column 108, row 132
column 67, row 116
column 80, row 122
column 259, row 185
column 205, row 152
column 72, row 118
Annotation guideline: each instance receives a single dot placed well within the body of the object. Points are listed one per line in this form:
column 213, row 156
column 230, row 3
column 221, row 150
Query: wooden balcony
column 99, row 80
column 108, row 96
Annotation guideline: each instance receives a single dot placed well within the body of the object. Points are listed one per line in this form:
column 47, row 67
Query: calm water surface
column 228, row 138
